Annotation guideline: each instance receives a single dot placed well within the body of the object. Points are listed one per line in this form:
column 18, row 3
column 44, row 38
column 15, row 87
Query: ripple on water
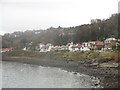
column 19, row 75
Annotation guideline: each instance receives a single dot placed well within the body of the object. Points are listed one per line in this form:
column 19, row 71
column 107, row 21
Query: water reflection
column 18, row 75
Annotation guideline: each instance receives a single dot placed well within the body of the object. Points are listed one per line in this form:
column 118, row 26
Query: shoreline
column 108, row 76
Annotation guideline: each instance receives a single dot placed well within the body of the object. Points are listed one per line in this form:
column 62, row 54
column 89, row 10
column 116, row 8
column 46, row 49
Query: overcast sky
column 21, row 15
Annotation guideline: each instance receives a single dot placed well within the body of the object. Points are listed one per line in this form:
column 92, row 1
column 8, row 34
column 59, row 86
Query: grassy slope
column 89, row 55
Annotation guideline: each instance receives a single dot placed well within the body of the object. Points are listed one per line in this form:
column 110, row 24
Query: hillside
column 97, row 30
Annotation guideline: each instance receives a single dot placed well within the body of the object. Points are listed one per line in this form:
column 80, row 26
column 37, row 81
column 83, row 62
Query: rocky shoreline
column 107, row 73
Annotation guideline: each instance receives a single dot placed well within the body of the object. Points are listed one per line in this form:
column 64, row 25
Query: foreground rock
column 109, row 65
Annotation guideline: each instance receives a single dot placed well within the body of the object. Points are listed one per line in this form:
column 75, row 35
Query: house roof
column 110, row 39
column 64, row 46
column 76, row 46
column 98, row 43
column 6, row 49
column 56, row 47
column 79, row 45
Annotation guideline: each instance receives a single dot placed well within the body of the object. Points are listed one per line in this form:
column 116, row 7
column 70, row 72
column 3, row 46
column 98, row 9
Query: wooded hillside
column 97, row 30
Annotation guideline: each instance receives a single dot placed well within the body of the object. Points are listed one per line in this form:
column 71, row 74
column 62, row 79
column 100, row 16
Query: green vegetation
column 97, row 30
column 65, row 55
column 20, row 53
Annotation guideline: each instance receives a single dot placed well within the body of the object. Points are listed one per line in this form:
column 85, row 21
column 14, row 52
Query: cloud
column 36, row 14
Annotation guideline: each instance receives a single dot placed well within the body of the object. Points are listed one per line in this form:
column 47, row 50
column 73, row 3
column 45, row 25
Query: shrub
column 107, row 55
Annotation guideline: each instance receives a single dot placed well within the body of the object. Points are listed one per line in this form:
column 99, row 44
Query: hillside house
column 44, row 48
column 99, row 45
column 86, row 46
column 5, row 50
column 54, row 48
column 74, row 47
column 84, row 49
column 108, row 42
column 64, row 47
column 70, row 46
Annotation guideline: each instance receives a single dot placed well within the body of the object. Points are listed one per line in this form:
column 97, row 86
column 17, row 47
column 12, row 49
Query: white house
column 84, row 49
column 24, row 49
column 41, row 45
column 109, row 40
column 49, row 45
column 70, row 46
column 74, row 47
column 63, row 47
column 86, row 46
column 45, row 48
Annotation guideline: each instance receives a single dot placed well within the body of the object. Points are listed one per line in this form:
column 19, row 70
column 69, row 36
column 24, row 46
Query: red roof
column 6, row 49
column 74, row 46
column 99, row 43
column 64, row 46
column 78, row 46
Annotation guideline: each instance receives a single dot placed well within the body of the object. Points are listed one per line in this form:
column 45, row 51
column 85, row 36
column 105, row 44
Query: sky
column 21, row 15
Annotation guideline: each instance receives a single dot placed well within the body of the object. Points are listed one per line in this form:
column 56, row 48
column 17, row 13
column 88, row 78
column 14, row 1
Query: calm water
column 19, row 75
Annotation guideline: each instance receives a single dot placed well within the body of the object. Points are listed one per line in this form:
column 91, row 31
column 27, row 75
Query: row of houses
column 85, row 46
column 5, row 49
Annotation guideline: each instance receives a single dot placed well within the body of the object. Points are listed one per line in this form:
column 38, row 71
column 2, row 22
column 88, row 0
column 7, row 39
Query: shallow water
column 19, row 75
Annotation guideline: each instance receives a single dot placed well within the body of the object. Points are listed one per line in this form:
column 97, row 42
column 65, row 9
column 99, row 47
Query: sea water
column 20, row 75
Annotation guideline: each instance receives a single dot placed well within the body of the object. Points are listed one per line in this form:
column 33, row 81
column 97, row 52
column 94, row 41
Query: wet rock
column 94, row 64
column 110, row 65
column 102, row 60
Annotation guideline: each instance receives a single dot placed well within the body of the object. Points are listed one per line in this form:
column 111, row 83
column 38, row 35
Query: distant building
column 70, row 46
column 109, row 41
column 95, row 21
column 86, row 46
column 84, row 49
column 76, row 47
column 24, row 49
column 5, row 49
column 45, row 48
column 99, row 45
column 54, row 48
column 64, row 47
